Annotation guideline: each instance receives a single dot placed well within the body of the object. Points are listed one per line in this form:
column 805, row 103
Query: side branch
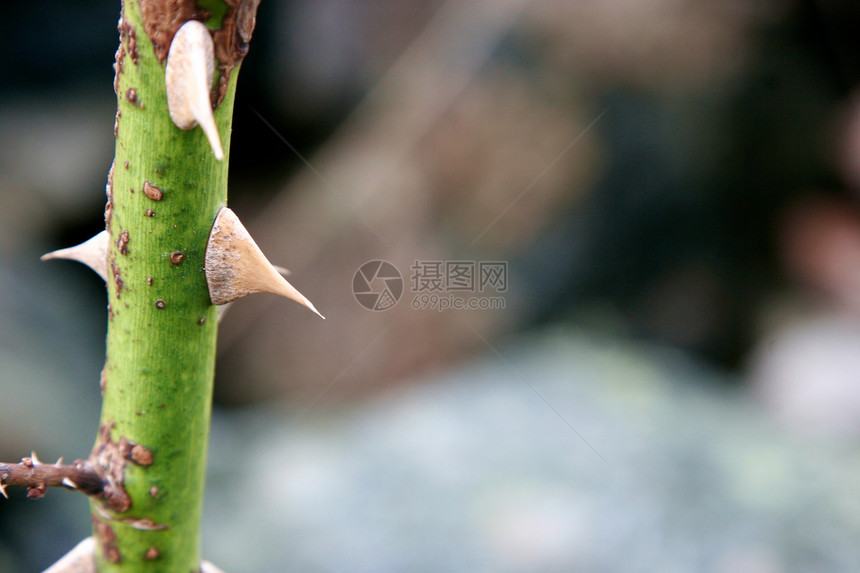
column 37, row 477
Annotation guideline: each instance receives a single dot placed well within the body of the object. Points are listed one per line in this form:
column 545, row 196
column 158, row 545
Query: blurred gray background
column 673, row 383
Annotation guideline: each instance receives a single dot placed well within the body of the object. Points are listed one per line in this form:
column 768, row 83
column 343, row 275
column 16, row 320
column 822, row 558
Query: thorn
column 59, row 461
column 235, row 266
column 92, row 253
column 188, row 79
column 36, row 460
column 3, row 491
column 222, row 309
column 69, row 483
column 207, row 567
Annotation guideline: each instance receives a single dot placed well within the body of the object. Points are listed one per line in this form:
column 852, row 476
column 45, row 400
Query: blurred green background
column 673, row 382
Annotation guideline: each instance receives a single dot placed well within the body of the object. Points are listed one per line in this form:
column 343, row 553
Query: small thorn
column 3, row 491
column 36, row 460
column 188, row 79
column 235, row 266
column 69, row 483
column 92, row 253
column 59, row 461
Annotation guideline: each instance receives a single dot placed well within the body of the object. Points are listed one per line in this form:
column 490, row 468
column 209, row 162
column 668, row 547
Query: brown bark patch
column 231, row 41
column 140, row 455
column 109, row 459
column 105, row 536
column 122, row 243
column 112, row 554
column 127, row 39
column 117, row 278
column 117, row 67
column 162, row 18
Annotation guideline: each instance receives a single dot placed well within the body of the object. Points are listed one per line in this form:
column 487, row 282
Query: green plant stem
column 157, row 381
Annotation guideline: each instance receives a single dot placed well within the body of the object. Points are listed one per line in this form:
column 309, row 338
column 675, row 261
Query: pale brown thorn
column 188, row 81
column 235, row 266
column 92, row 252
column 223, row 308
